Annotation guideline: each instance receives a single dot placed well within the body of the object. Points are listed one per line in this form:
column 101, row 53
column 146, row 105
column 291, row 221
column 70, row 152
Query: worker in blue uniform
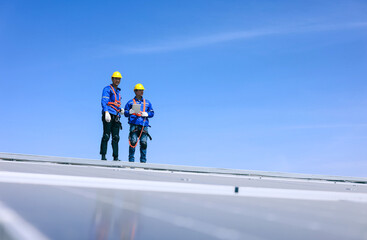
column 139, row 123
column 111, row 110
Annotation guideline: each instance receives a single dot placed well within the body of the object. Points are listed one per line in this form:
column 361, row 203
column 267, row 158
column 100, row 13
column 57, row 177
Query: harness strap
column 143, row 103
column 117, row 103
column 142, row 127
column 114, row 108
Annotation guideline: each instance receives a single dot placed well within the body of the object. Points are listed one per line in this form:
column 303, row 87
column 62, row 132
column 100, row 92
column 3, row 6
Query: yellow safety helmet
column 116, row 75
column 139, row 86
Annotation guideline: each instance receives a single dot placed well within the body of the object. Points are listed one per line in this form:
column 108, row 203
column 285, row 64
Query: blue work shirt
column 133, row 119
column 109, row 96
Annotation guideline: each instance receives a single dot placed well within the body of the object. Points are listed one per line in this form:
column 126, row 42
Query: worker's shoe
column 103, row 157
column 116, row 159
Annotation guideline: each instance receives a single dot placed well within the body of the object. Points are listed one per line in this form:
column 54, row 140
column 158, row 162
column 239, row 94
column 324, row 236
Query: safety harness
column 117, row 103
column 142, row 127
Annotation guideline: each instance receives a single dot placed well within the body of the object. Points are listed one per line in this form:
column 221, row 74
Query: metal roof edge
column 176, row 168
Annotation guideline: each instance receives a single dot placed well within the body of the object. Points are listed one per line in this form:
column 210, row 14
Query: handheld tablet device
column 136, row 108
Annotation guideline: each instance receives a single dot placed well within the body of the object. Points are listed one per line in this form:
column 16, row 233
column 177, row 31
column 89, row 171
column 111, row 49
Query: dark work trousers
column 113, row 127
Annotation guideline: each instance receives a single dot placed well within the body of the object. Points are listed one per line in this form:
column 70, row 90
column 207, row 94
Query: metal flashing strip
column 176, row 168
column 174, row 187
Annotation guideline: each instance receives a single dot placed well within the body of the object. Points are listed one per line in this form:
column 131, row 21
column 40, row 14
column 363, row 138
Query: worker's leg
column 115, row 136
column 106, row 136
column 144, row 145
column 133, row 138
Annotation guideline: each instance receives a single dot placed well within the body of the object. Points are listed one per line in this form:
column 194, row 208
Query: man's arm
column 105, row 99
column 150, row 110
column 127, row 109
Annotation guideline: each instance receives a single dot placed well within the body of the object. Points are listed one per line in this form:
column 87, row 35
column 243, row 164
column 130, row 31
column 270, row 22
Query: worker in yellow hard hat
column 138, row 110
column 111, row 110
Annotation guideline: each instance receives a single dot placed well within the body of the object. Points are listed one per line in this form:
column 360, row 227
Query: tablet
column 136, row 108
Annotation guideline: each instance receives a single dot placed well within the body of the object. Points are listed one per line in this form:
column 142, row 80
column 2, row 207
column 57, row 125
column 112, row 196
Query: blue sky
column 258, row 85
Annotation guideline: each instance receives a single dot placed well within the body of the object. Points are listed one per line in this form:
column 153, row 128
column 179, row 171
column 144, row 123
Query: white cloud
column 200, row 41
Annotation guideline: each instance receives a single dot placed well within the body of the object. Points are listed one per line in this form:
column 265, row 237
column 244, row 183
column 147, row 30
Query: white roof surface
column 65, row 198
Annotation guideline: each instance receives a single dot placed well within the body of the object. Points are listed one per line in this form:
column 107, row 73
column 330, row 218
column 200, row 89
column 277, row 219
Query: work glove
column 107, row 116
column 144, row 114
column 131, row 112
column 122, row 111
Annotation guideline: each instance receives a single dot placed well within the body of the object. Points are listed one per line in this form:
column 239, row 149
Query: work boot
column 103, row 157
column 116, row 159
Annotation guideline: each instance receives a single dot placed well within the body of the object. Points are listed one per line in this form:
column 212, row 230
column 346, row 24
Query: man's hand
column 131, row 112
column 107, row 116
column 144, row 114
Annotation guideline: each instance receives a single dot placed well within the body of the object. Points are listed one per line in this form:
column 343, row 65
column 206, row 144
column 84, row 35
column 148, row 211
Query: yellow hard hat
column 139, row 86
column 116, row 75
